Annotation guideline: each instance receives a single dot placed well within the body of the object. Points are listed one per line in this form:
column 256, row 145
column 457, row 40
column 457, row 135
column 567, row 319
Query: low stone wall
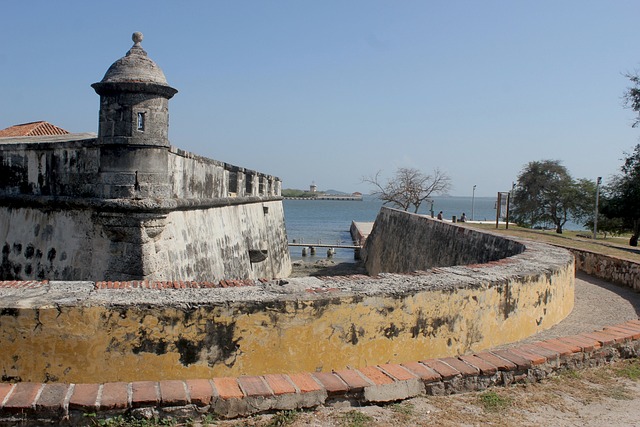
column 401, row 242
column 614, row 270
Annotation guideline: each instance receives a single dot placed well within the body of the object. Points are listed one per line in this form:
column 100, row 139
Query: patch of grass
column 629, row 369
column 283, row 418
column 570, row 374
column 403, row 408
column 619, row 393
column 493, row 402
column 128, row 421
column 403, row 411
column 614, row 246
column 356, row 419
column 209, row 419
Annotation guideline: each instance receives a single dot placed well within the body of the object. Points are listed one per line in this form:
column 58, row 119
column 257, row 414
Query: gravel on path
column 597, row 304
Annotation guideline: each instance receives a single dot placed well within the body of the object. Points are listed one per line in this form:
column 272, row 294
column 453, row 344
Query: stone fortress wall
column 67, row 218
column 77, row 166
column 126, row 205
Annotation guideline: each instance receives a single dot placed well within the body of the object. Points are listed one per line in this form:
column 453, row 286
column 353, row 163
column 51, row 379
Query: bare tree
column 409, row 187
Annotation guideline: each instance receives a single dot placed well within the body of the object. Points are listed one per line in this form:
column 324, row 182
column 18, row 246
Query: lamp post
column 595, row 216
column 473, row 199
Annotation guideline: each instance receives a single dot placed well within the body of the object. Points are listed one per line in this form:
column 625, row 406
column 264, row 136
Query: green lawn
column 613, row 246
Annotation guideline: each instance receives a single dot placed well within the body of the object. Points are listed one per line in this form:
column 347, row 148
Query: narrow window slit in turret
column 141, row 122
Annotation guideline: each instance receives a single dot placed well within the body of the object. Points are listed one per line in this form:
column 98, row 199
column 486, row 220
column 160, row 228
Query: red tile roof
column 32, row 129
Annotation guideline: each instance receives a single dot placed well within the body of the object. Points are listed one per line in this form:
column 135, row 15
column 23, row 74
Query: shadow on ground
column 326, row 267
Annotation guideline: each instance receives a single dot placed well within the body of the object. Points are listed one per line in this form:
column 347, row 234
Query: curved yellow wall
column 290, row 328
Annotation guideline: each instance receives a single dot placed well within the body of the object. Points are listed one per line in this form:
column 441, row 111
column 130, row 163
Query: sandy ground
column 606, row 396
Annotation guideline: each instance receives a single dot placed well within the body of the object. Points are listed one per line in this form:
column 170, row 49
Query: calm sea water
column 328, row 221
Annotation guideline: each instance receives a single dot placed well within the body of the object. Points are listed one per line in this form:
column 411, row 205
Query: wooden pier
column 325, row 245
column 330, row 248
column 359, row 232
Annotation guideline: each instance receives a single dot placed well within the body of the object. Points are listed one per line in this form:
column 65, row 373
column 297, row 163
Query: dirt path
column 598, row 304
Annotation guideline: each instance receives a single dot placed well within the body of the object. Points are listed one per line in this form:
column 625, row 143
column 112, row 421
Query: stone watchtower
column 133, row 126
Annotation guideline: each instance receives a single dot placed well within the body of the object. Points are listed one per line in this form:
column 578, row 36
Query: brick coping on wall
column 36, row 403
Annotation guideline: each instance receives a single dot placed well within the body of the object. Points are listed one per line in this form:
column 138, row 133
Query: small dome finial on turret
column 137, row 37
column 137, row 48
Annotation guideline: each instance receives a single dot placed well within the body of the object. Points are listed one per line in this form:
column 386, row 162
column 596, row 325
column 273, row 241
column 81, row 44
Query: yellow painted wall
column 302, row 332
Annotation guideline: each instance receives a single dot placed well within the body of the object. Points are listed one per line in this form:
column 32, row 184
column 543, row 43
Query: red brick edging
column 231, row 397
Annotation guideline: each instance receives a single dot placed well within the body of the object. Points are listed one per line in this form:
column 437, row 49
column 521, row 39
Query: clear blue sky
column 330, row 91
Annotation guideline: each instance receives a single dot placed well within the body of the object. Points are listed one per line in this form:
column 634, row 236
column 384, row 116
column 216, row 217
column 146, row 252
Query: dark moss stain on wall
column 218, row 342
column 470, row 336
column 189, row 351
column 543, row 298
column 29, row 251
column 13, row 312
column 277, row 306
column 354, row 334
column 392, row 331
column 420, row 327
column 509, row 303
column 14, row 172
column 430, row 326
column 146, row 345
column 319, row 306
column 7, row 268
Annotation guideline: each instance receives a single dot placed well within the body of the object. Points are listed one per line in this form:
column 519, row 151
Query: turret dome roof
column 135, row 72
column 135, row 66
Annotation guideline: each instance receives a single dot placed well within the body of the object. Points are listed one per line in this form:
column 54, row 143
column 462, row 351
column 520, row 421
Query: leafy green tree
column 622, row 196
column 612, row 226
column 632, row 96
column 546, row 194
column 409, row 187
column 583, row 208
